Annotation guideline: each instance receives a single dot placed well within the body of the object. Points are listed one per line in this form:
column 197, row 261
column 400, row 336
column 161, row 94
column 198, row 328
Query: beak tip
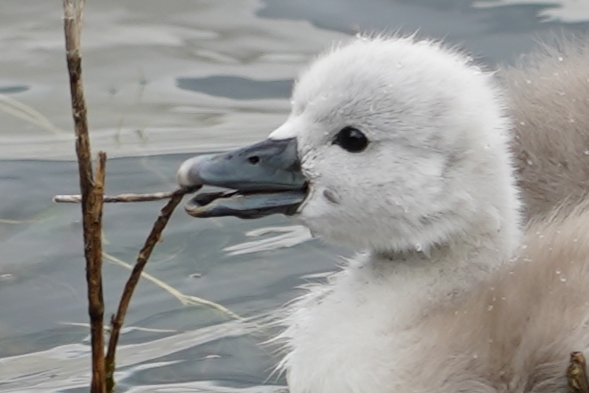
column 188, row 174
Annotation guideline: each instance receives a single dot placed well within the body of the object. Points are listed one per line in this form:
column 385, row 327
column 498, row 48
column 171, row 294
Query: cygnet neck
column 443, row 270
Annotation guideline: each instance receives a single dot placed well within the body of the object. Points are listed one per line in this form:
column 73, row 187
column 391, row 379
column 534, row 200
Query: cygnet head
column 402, row 144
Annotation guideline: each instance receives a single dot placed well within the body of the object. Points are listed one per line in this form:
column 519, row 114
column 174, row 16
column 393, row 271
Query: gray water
column 166, row 79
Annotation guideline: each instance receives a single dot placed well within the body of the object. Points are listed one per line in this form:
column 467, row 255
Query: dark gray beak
column 264, row 179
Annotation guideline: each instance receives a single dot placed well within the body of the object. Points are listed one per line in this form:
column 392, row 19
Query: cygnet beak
column 264, row 178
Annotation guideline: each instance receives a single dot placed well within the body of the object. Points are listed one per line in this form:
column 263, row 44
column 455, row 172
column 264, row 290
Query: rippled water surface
column 165, row 79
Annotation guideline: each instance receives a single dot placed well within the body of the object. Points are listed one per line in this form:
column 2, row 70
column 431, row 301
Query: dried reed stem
column 91, row 189
column 92, row 199
column 156, row 196
column 119, row 318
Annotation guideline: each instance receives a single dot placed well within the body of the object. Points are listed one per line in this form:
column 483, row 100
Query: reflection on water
column 289, row 236
column 237, row 88
column 164, row 78
column 12, row 89
column 196, row 351
column 570, row 11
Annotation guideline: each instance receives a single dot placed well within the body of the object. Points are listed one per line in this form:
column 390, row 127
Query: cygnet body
column 404, row 151
column 548, row 100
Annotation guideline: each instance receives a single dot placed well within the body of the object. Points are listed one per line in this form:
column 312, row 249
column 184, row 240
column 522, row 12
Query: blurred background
column 166, row 79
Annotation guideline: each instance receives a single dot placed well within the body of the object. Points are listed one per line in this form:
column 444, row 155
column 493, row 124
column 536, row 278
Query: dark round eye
column 351, row 139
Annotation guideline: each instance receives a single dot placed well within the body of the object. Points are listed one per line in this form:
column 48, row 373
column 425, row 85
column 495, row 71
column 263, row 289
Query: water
column 166, row 79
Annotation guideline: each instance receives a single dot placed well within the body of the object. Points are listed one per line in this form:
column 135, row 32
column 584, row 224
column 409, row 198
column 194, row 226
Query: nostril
column 253, row 160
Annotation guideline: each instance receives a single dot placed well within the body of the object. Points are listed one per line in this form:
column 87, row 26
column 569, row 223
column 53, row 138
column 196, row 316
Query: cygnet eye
column 351, row 139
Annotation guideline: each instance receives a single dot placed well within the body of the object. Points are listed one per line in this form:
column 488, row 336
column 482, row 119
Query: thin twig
column 186, row 300
column 24, row 112
column 156, row 196
column 91, row 191
column 119, row 318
